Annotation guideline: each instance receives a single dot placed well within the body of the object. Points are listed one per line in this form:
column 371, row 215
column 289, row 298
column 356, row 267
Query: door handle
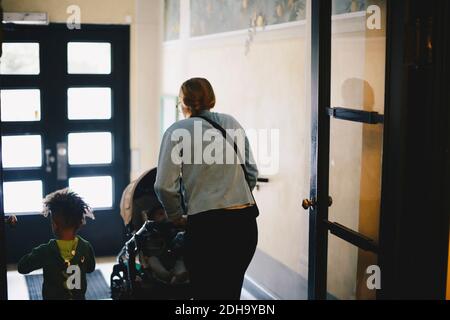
column 308, row 203
column 357, row 239
column 49, row 160
column 311, row 203
column 61, row 150
column 360, row 116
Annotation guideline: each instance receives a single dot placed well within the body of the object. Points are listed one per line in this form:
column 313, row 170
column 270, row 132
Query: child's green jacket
column 48, row 258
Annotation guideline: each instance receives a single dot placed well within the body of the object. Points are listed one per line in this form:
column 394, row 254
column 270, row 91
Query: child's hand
column 11, row 220
column 179, row 273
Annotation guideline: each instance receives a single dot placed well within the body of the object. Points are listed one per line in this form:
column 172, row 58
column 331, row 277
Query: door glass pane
column 355, row 175
column 89, row 103
column 20, row 58
column 97, row 191
column 22, row 151
column 89, row 58
column 22, row 197
column 21, row 105
column 90, row 148
column 357, row 82
column 349, row 269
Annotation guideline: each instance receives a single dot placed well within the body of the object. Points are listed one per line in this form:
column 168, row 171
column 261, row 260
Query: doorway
column 65, row 123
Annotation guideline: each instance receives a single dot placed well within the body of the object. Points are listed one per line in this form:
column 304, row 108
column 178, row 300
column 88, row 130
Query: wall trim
column 354, row 22
column 257, row 291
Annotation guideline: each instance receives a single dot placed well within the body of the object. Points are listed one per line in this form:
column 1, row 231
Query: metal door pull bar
column 353, row 237
column 356, row 115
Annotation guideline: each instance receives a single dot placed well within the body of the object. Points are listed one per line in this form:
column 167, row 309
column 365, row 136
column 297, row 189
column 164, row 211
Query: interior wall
column 145, row 20
column 268, row 88
column 264, row 90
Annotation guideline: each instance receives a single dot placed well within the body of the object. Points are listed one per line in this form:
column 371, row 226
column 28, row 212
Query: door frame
column 414, row 220
column 3, row 272
column 320, row 147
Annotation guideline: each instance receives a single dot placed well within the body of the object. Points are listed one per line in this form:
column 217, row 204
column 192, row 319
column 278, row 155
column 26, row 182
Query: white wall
column 264, row 90
column 146, row 88
column 269, row 89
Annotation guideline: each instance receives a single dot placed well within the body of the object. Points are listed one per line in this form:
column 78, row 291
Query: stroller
column 160, row 273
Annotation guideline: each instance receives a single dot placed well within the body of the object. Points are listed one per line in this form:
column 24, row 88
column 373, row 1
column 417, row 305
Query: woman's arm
column 250, row 165
column 167, row 185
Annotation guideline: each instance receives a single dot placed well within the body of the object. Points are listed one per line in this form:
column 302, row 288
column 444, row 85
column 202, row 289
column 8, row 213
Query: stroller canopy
column 138, row 199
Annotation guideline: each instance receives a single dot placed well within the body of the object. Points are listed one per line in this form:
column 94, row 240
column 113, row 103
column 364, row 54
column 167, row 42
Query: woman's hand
column 180, row 222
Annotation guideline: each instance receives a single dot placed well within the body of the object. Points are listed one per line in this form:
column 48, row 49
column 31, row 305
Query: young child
column 155, row 247
column 68, row 256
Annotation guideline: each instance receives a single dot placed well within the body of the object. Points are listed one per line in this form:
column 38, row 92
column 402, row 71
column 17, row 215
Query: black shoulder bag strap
column 236, row 150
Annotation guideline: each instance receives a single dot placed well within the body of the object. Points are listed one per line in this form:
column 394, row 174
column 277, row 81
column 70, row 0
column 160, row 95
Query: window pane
column 89, row 103
column 349, row 280
column 356, row 150
column 96, row 191
column 21, row 105
column 20, row 58
column 90, row 148
column 22, row 197
column 22, row 151
column 89, row 58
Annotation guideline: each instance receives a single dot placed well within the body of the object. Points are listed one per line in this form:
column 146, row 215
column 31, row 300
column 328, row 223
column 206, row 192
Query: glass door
column 65, row 124
column 347, row 156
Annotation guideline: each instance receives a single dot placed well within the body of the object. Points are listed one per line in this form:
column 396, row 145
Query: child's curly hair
column 67, row 208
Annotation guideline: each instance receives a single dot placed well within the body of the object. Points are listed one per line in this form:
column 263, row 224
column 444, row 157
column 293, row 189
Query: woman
column 221, row 228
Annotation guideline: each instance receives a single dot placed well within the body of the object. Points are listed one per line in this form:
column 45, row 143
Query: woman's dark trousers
column 220, row 245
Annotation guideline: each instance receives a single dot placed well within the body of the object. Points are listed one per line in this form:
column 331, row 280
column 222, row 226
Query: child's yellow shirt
column 67, row 248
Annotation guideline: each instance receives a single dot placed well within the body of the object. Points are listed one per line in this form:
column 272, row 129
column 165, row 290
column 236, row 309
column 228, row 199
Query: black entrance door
column 348, row 79
column 65, row 123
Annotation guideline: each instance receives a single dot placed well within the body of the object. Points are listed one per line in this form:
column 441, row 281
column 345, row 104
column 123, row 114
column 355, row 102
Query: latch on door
column 49, row 160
